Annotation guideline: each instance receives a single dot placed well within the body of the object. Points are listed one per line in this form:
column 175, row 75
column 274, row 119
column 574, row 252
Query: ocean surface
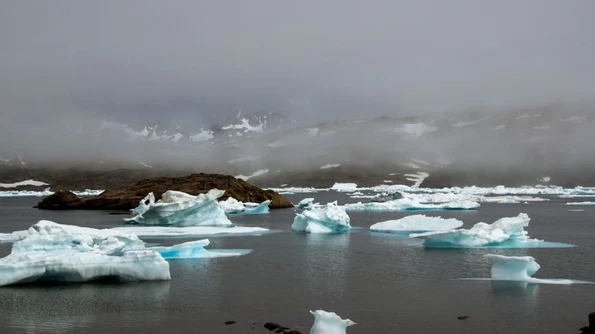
column 385, row 283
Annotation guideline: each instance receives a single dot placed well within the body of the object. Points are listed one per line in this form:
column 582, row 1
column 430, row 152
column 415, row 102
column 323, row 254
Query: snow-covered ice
column 329, row 218
column 329, row 323
column 344, row 186
column 508, row 232
column 29, row 182
column 233, row 206
column 176, row 208
column 416, row 224
column 255, row 174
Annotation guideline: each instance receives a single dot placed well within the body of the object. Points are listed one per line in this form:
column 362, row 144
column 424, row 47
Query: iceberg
column 233, row 206
column 195, row 250
column 329, row 218
column 306, row 203
column 416, row 224
column 387, row 197
column 176, row 208
column 409, row 204
column 344, row 186
column 329, row 323
column 508, row 232
column 54, row 252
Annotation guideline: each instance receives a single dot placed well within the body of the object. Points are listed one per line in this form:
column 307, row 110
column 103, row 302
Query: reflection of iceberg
column 233, row 206
column 324, row 219
column 54, row 252
column 329, row 323
column 521, row 269
column 416, row 224
column 409, row 204
column 180, row 209
column 194, row 249
column 506, row 232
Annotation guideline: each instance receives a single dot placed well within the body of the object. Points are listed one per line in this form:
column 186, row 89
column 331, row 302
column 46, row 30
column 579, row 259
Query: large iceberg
column 49, row 251
column 329, row 218
column 54, row 252
column 329, row 323
column 233, row 206
column 409, row 204
column 176, row 208
column 508, row 232
column 416, row 224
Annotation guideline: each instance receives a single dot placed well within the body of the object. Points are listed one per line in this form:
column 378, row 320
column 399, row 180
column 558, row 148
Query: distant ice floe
column 176, row 208
column 29, row 182
column 410, row 165
column 580, row 203
column 49, row 251
column 202, row 136
column 409, row 204
column 520, row 269
column 245, row 125
column 461, row 124
column 329, row 323
column 329, row 218
column 233, row 206
column 344, row 186
column 242, row 158
column 165, row 231
column 255, row 174
column 416, row 224
column 508, row 232
column 45, row 192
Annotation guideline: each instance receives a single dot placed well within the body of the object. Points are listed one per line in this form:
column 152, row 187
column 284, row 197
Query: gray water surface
column 385, row 283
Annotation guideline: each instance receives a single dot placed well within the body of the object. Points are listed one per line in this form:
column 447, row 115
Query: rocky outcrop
column 128, row 197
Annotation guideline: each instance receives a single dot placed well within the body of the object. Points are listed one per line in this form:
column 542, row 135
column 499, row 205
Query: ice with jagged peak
column 54, row 252
column 508, row 232
column 409, row 204
column 306, row 203
column 329, row 218
column 416, row 224
column 233, row 206
column 329, row 323
column 520, row 268
column 176, row 208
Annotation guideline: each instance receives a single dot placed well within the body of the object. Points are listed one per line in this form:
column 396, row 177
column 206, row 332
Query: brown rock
column 126, row 198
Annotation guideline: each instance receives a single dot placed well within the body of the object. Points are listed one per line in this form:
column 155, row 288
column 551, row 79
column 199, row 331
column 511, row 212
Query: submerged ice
column 508, row 232
column 329, row 218
column 176, row 208
column 329, row 323
column 416, row 224
column 49, row 251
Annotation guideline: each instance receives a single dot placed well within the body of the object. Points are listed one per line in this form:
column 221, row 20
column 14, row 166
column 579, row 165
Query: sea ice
column 387, row 196
column 176, row 208
column 508, row 232
column 194, row 250
column 344, row 186
column 416, row 224
column 329, row 218
column 409, row 204
column 329, row 323
column 29, row 182
column 166, row 231
column 306, row 203
column 233, row 206
column 580, row 203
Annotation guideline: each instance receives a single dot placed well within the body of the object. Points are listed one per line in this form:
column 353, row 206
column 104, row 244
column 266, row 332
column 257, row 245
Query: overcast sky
column 130, row 58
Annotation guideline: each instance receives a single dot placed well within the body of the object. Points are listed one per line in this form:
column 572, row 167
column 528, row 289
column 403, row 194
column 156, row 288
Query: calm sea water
column 385, row 283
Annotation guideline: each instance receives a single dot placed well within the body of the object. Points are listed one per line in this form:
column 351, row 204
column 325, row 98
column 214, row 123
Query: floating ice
column 327, row 166
column 329, row 323
column 508, row 232
column 29, row 182
column 409, row 204
column 580, row 203
column 344, row 186
column 180, row 209
column 45, row 192
column 329, row 218
column 416, row 224
column 387, row 196
column 306, row 203
column 194, row 250
column 165, row 231
column 233, row 206
column 54, row 252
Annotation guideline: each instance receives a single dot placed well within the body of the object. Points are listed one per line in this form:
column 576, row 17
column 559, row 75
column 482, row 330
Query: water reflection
column 66, row 308
column 327, row 263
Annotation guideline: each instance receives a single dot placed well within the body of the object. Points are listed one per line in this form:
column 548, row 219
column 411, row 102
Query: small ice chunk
column 344, row 186
column 329, row 218
column 329, row 323
column 176, row 208
column 416, row 224
column 233, row 206
column 194, row 250
column 306, row 203
column 520, row 268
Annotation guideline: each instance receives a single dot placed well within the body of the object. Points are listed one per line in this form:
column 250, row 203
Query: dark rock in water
column 591, row 328
column 385, row 197
column 273, row 327
column 231, row 322
column 463, row 317
column 126, row 198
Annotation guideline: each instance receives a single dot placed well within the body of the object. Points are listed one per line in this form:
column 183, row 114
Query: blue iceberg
column 508, row 232
column 235, row 207
column 195, row 250
column 329, row 218
column 176, row 208
column 329, row 323
column 416, row 224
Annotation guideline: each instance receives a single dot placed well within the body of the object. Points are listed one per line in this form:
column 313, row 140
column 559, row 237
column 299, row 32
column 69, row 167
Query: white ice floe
column 521, row 269
column 580, row 203
column 329, row 218
column 508, row 232
column 329, row 323
column 306, row 203
column 176, row 208
column 203, row 135
column 509, row 199
column 255, row 174
column 416, row 224
column 29, row 182
column 461, row 124
column 344, row 186
column 410, row 165
column 195, row 250
column 45, row 192
column 165, row 231
column 409, row 204
column 233, row 206
column 545, row 179
column 327, row 166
